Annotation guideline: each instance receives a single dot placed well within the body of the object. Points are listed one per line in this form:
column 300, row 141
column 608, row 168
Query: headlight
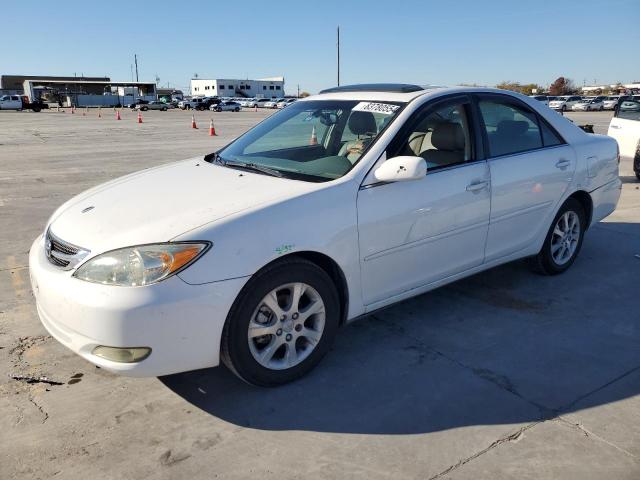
column 141, row 265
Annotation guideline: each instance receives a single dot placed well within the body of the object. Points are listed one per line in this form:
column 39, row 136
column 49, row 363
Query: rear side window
column 549, row 137
column 510, row 129
column 629, row 110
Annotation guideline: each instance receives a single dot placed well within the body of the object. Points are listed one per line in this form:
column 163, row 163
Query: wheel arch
column 587, row 203
column 330, row 267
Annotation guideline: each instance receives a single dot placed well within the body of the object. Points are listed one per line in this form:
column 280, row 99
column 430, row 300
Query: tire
column 601, row 108
column 144, row 109
column 638, row 175
column 546, row 262
column 237, row 110
column 163, row 109
column 218, row 109
column 564, row 108
column 285, row 335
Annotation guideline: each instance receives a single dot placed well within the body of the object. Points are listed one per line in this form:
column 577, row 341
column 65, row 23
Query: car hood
column 158, row 204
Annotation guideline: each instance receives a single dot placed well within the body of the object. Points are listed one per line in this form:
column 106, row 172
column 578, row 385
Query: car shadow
column 504, row 346
column 629, row 179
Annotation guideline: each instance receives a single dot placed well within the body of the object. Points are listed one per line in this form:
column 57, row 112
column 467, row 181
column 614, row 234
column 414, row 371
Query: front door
column 417, row 232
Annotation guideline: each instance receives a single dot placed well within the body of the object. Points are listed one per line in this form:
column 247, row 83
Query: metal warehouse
column 226, row 87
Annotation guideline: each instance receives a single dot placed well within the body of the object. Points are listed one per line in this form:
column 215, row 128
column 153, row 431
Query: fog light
column 122, row 355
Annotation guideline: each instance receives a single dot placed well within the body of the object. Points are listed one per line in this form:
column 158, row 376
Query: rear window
column 510, row 129
column 629, row 110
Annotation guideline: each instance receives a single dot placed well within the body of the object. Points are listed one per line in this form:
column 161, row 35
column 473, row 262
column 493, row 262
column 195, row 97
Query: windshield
column 316, row 140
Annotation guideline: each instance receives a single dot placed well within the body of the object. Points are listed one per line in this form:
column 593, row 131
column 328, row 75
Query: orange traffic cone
column 72, row 109
column 118, row 115
column 86, row 109
column 193, row 122
column 139, row 117
column 212, row 129
column 58, row 108
column 99, row 112
column 255, row 108
column 314, row 138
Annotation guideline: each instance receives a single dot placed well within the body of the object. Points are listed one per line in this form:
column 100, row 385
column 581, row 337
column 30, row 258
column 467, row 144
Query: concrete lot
column 503, row 375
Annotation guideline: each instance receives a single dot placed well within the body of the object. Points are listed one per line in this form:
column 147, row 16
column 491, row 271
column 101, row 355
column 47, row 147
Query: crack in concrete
column 512, row 437
column 503, row 382
column 40, row 408
column 587, row 433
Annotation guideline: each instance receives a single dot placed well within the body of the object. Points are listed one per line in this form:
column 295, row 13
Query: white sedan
column 336, row 206
column 588, row 104
column 273, row 103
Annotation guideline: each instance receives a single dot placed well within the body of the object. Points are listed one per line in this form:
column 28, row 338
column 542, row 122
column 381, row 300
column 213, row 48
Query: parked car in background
column 541, row 98
column 191, row 103
column 587, row 105
column 21, row 102
column 257, row 102
column 625, row 128
column 564, row 103
column 273, row 103
column 286, row 102
column 154, row 105
column 247, row 102
column 227, row 106
column 207, row 102
column 139, row 101
column 357, row 198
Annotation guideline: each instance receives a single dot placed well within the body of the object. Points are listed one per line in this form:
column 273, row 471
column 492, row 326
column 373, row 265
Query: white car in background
column 227, row 106
column 247, row 102
column 625, row 128
column 341, row 204
column 286, row 102
column 273, row 103
column 564, row 103
column 587, row 105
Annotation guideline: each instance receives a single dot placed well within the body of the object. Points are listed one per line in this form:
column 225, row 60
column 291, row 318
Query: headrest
column 512, row 127
column 448, row 136
column 362, row 123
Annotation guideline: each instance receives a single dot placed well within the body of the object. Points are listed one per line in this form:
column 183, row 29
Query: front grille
column 62, row 254
column 58, row 246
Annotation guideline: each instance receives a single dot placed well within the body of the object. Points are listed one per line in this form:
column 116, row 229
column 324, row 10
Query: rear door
column 531, row 168
column 625, row 128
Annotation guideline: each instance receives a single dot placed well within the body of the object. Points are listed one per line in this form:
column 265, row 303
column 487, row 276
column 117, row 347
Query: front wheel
column 282, row 323
column 237, row 109
column 564, row 108
column 563, row 241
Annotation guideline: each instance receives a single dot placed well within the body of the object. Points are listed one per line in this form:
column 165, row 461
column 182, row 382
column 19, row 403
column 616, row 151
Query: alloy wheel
column 565, row 237
column 286, row 326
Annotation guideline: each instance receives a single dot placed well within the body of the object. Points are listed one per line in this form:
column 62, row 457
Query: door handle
column 563, row 163
column 477, row 186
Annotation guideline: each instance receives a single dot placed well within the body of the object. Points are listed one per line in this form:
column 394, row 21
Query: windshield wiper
column 250, row 166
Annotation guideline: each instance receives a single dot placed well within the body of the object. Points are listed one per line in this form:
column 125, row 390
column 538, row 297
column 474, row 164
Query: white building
column 226, row 87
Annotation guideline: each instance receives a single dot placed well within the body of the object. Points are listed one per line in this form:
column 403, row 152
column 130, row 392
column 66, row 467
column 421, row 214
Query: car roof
column 404, row 97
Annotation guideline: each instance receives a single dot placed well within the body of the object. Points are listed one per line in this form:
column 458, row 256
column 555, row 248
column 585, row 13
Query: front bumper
column 181, row 323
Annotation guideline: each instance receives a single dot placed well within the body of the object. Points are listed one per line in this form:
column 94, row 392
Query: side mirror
column 400, row 169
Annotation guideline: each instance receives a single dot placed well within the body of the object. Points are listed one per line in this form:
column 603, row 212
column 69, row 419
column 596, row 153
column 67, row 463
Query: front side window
column 509, row 127
column 440, row 135
column 315, row 140
column 629, row 110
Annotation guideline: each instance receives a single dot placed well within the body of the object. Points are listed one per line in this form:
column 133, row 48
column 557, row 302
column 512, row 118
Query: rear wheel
column 563, row 241
column 282, row 323
column 237, row 109
column 564, row 108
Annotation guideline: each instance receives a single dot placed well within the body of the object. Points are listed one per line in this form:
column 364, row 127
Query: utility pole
column 298, row 91
column 338, row 45
column 135, row 58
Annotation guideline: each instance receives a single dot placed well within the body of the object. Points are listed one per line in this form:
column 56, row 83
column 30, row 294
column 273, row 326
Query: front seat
column 361, row 124
column 448, row 140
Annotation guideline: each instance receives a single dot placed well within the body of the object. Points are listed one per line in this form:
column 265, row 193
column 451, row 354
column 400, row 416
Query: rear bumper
column 605, row 199
column 181, row 323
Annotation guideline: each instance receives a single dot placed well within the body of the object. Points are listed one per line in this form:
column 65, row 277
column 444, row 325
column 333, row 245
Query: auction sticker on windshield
column 384, row 108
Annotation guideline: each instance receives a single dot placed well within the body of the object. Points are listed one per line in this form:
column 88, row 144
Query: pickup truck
column 21, row 102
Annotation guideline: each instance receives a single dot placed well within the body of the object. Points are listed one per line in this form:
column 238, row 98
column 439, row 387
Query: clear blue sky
column 444, row 42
